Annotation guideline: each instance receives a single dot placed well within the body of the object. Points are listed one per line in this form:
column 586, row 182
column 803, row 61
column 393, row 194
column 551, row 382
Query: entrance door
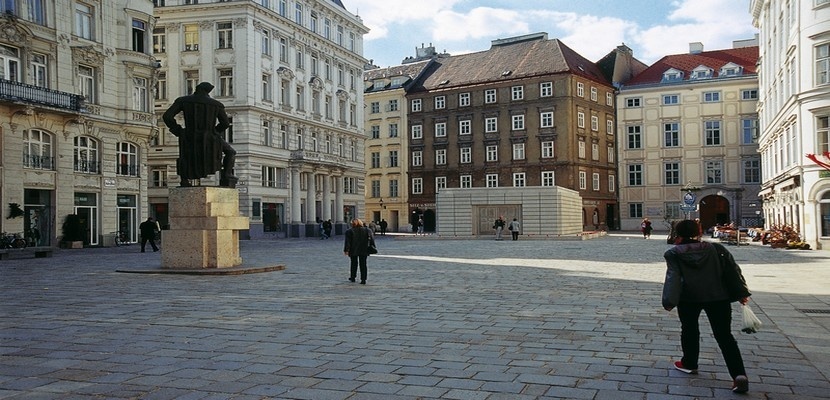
column 127, row 216
column 714, row 210
column 37, row 217
column 86, row 207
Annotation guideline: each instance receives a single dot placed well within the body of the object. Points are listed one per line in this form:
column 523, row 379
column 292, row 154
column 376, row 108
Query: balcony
column 22, row 93
column 317, row 157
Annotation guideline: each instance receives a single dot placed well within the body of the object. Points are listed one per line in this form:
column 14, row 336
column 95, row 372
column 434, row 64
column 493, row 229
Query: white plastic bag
column 751, row 323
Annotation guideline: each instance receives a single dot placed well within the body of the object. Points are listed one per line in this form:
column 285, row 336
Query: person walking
column 148, row 233
column 327, row 228
column 499, row 226
column 514, row 228
column 356, row 247
column 420, row 225
column 645, row 227
column 703, row 276
column 383, row 226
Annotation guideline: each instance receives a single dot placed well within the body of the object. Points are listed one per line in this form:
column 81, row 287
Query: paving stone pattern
column 437, row 319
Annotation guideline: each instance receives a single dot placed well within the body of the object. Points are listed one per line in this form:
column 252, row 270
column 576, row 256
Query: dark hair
column 687, row 229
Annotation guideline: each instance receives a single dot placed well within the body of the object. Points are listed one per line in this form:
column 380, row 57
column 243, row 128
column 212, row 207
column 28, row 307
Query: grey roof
column 411, row 71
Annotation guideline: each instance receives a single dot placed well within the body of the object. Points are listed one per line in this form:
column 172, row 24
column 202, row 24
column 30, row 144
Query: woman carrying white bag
column 703, row 276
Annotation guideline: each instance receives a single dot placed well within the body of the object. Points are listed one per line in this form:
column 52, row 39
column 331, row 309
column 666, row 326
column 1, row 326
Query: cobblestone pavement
column 438, row 319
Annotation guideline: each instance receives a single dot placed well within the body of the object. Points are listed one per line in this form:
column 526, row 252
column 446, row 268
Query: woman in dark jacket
column 703, row 276
column 356, row 247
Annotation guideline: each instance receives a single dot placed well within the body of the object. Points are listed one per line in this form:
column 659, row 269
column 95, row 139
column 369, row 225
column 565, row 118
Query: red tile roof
column 746, row 57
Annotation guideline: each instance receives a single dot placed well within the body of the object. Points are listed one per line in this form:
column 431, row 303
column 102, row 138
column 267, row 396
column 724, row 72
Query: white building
column 75, row 78
column 794, row 110
column 289, row 75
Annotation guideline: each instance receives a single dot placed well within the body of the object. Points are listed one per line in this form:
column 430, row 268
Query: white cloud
column 591, row 36
column 380, row 15
column 481, row 22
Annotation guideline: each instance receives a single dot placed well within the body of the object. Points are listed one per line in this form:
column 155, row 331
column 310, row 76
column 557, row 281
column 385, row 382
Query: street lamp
column 381, row 208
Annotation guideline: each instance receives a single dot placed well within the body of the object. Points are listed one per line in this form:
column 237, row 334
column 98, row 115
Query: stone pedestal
column 204, row 229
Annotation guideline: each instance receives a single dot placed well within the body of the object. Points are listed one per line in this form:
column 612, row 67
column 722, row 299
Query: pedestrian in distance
column 327, row 228
column 383, row 226
column 356, row 247
column 703, row 276
column 514, row 228
column 148, row 233
column 645, row 227
column 499, row 227
column 420, row 225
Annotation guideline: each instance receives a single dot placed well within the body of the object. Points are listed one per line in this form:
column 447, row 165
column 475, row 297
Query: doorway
column 714, row 210
column 86, row 207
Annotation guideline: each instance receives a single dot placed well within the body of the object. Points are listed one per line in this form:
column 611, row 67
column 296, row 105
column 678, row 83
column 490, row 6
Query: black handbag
column 372, row 248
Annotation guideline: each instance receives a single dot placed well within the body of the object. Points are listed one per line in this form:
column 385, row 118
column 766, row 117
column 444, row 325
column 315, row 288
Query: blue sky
column 652, row 28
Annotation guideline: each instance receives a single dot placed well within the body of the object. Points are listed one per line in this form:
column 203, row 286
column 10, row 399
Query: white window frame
column 417, row 158
column 583, row 180
column 465, row 127
column 489, row 96
column 518, row 122
column 580, row 89
column 440, row 129
column 546, row 119
column 519, row 179
column 491, row 153
column 417, row 131
column 464, row 99
column 517, row 93
column 466, row 155
column 417, row 185
column 548, row 149
column 548, row 178
column 441, row 157
column 465, row 181
column 415, row 105
column 491, row 180
column 491, row 124
column 440, row 102
column 546, row 89
column 519, row 151
column 595, row 181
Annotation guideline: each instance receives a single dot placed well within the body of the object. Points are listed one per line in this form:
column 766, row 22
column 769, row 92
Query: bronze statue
column 201, row 145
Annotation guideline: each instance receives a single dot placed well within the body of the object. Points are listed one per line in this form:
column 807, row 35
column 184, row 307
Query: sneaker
column 740, row 384
column 678, row 365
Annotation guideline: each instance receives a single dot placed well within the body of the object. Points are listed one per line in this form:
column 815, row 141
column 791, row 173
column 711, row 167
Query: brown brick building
column 527, row 112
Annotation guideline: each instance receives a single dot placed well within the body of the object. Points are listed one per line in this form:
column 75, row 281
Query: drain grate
column 814, row 311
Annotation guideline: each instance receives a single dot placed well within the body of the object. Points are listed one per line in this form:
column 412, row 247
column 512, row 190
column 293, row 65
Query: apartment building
column 75, row 84
column 529, row 111
column 289, row 75
column 688, row 124
column 794, row 110
column 387, row 145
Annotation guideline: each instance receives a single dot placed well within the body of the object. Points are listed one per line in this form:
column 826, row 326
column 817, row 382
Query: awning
column 786, row 183
column 765, row 192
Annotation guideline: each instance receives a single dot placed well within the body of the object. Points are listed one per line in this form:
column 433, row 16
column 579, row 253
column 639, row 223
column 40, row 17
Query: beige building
column 289, row 75
column 75, row 82
column 794, row 109
column 688, row 123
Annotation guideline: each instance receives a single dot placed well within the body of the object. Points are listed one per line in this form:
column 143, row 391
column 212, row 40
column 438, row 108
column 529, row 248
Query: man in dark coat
column 356, row 247
column 201, row 145
column 148, row 230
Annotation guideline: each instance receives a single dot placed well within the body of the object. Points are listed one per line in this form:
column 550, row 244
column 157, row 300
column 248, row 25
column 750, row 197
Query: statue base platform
column 204, row 229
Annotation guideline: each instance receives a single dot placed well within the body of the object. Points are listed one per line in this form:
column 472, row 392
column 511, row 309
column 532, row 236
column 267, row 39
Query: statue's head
column 204, row 87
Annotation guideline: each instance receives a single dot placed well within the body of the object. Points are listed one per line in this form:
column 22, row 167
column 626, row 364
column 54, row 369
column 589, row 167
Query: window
column 548, row 179
column 86, row 155
column 440, row 183
column 393, row 130
column 595, row 182
column 312, row 26
column 593, row 94
column 823, row 133
column 671, row 134
column 40, row 75
column 88, row 87
column 752, row 171
column 547, row 149
column 226, row 83
column 273, row 177
column 517, row 93
column 491, row 124
column 267, row 88
column 327, row 29
column 672, row 210
column 140, row 99
column 518, row 122
column 375, row 188
column 635, row 210
column 339, row 38
column 417, row 158
column 611, row 153
column 191, row 79
column 266, row 132
column 139, row 35
column 441, row 129
column 416, row 105
column 466, row 181
column 393, row 158
column 490, row 96
column 633, row 102
column 440, row 102
column 191, row 37
column 580, row 119
column 441, row 157
column 266, row 43
column 580, row 89
column 491, row 153
column 10, row 68
column 284, row 50
column 84, row 16
column 595, row 151
column 581, row 148
column 546, row 89
column 518, row 151
column 417, row 131
column 375, row 131
column 546, row 119
column 393, row 105
column 374, row 107
column 37, row 11
column 634, row 137
column 711, row 97
column 127, row 164
column 466, row 155
column 393, row 188
column 417, row 185
column 298, row 13
column 159, row 40
column 671, row 99
column 671, row 171
column 609, row 99
column 609, row 126
column 711, row 131
column 701, row 73
column 583, row 180
column 519, row 179
column 595, row 123
column 611, row 183
column 822, row 64
column 749, row 94
column 491, row 180
column 464, row 100
column 635, row 175
column 749, row 130
column 158, row 177
column 464, row 127
column 225, row 35
column 714, row 172
column 300, row 59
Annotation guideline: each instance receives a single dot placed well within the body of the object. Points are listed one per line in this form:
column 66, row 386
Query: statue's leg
column 228, row 160
column 184, row 182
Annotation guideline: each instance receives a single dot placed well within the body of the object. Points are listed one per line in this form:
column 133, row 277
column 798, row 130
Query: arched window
column 127, row 159
column 86, row 155
column 824, row 204
column 37, row 149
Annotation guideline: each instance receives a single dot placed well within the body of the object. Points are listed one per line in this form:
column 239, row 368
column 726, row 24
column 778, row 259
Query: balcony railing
column 128, row 170
column 87, row 167
column 38, row 162
column 21, row 92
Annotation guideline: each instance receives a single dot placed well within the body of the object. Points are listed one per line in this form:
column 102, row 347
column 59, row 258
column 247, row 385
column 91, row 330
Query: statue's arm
column 169, row 118
column 224, row 123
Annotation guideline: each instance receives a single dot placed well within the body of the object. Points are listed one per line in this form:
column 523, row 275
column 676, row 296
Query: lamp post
column 381, row 208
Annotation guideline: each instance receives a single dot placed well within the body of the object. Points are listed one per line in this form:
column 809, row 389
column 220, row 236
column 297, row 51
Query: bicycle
column 120, row 238
column 12, row 241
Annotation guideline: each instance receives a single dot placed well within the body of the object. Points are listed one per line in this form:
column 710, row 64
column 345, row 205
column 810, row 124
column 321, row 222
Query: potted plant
column 73, row 232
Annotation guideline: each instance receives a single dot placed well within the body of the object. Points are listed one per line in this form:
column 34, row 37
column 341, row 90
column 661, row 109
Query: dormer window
column 701, row 72
column 672, row 75
column 731, row 69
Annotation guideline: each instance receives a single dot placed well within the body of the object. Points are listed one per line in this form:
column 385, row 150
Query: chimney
column 695, row 48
